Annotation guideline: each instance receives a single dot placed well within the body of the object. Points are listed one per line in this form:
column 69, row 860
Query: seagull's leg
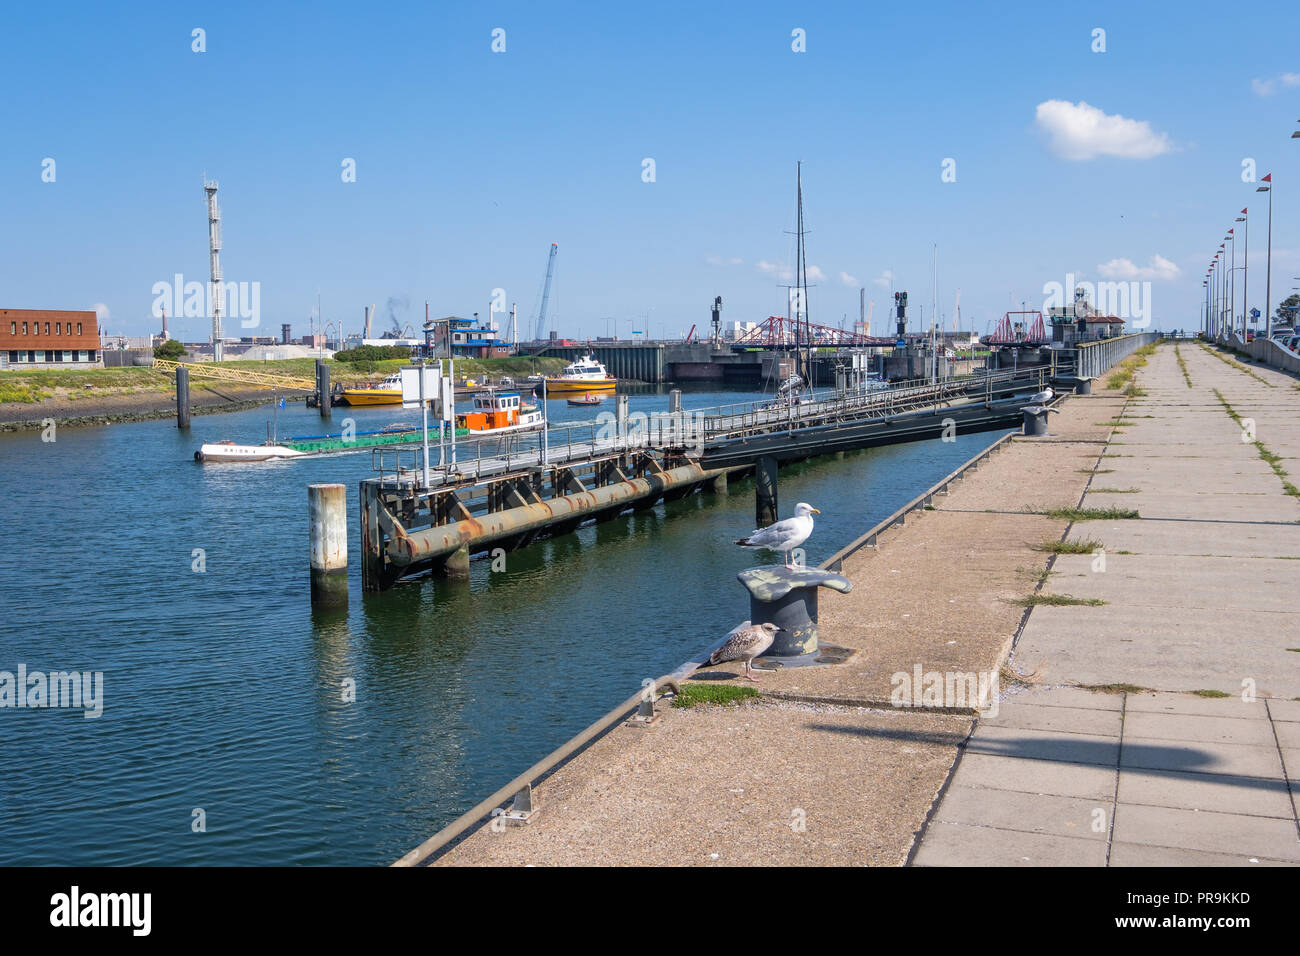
column 749, row 670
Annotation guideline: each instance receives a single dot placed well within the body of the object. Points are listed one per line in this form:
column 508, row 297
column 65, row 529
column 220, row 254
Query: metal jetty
column 509, row 491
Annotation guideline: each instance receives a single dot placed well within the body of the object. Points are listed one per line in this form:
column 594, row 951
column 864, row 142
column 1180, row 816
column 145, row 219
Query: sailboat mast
column 802, row 280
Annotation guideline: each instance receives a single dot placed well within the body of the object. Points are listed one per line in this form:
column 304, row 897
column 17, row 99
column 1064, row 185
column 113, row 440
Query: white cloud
column 849, row 280
column 884, row 280
column 815, row 274
column 780, row 270
column 1283, row 81
column 1078, row 131
column 102, row 311
column 1157, row 268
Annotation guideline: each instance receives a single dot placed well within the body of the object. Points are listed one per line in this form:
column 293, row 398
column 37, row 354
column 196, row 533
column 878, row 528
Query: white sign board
column 411, row 385
column 448, row 404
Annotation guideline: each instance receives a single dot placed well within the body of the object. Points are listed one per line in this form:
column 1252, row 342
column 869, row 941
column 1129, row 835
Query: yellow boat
column 584, row 375
column 387, row 392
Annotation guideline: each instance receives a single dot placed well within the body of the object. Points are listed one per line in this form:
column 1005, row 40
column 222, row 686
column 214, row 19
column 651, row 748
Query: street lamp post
column 1245, row 273
column 1268, row 268
column 1229, row 285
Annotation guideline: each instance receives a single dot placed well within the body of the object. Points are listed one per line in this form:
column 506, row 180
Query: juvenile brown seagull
column 746, row 642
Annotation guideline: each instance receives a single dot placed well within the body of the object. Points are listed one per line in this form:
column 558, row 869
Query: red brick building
column 42, row 338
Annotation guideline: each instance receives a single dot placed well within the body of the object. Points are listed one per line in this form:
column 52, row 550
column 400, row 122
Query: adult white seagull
column 786, row 535
column 1042, row 398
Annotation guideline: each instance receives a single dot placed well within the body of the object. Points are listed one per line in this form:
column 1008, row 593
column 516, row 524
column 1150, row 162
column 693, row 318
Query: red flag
column 1243, row 212
column 1229, row 232
column 1267, row 179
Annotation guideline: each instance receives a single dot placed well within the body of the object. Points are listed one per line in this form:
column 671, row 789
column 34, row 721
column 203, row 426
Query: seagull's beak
column 816, row 511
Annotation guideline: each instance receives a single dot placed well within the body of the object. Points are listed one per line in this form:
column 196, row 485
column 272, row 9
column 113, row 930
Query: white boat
column 229, row 451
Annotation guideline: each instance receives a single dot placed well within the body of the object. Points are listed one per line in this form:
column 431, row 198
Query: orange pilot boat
column 497, row 412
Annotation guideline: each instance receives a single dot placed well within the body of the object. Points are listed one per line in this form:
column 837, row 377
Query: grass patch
column 1096, row 471
column 1113, row 423
column 1087, row 514
column 1210, row 693
column 1057, row 600
column 1114, row 491
column 1122, row 377
column 1182, row 365
column 723, row 695
column 1117, row 688
column 20, row 393
column 1070, row 547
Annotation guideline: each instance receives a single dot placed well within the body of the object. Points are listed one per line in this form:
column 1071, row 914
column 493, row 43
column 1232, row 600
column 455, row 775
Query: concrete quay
column 822, row 769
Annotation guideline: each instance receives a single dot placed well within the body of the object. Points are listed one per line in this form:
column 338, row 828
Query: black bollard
column 1035, row 421
column 788, row 599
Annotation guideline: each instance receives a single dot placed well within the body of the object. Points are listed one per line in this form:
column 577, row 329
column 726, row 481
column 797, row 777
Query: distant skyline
column 1007, row 140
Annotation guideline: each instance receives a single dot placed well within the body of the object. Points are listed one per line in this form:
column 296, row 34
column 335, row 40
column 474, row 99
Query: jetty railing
column 1095, row 359
column 690, row 429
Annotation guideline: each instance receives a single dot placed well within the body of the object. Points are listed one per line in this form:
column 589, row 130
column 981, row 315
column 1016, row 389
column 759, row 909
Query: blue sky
column 470, row 163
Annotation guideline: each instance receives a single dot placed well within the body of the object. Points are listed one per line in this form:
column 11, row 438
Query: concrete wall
column 1267, row 351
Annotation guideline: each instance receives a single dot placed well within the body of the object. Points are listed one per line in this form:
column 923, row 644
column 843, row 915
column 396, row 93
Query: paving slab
column 1245, row 760
column 1023, row 812
column 1226, row 833
column 1136, row 854
column 1253, row 796
column 1226, row 708
column 951, row 844
column 1026, row 775
column 1101, row 722
column 1224, row 729
column 1045, row 745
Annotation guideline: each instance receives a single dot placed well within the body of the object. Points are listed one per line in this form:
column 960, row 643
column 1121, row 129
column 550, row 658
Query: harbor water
column 240, row 727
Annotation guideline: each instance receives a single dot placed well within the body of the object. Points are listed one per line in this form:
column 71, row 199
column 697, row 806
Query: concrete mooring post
column 620, row 414
column 765, row 503
column 675, row 400
column 182, row 397
column 327, row 515
column 323, row 387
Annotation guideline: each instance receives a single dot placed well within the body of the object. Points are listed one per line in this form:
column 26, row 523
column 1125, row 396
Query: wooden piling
column 182, row 397
column 765, row 502
column 328, row 519
column 323, row 387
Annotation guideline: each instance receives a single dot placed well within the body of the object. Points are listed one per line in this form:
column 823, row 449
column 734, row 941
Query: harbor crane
column 546, row 292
